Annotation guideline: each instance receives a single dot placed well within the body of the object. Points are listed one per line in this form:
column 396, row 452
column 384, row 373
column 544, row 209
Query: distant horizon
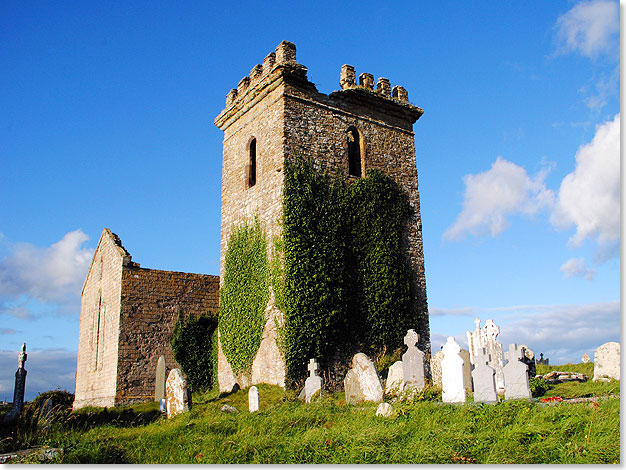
column 108, row 122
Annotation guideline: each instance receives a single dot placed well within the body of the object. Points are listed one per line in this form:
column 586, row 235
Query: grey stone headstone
column 516, row 375
column 435, row 368
column 44, row 420
column 484, row 380
column 452, row 373
column 176, row 393
column 467, row 369
column 413, row 362
column 607, row 361
column 253, row 399
column 352, row 388
column 313, row 383
column 586, row 358
column 159, row 386
column 395, row 379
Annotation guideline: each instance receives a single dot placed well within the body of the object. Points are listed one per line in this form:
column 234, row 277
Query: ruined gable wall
column 150, row 303
column 96, row 368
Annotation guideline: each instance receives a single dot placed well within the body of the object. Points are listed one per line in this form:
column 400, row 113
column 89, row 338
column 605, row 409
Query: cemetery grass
column 329, row 431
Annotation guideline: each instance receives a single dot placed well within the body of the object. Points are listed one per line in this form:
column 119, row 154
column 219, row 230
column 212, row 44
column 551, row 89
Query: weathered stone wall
column 151, row 302
column 279, row 107
column 127, row 318
column 96, row 368
column 316, row 126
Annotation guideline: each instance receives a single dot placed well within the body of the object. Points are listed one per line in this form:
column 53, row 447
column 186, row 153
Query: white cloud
column 589, row 197
column 589, row 28
column 48, row 369
column 464, row 311
column 490, row 197
column 605, row 87
column 577, row 267
column 563, row 332
column 52, row 275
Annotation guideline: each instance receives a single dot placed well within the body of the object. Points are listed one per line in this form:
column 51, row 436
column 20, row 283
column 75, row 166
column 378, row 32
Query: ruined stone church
column 128, row 312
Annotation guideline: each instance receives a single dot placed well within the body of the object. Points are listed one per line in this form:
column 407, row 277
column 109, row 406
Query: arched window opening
column 354, row 152
column 251, row 167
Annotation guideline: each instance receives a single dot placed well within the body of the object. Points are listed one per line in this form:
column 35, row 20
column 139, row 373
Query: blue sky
column 107, row 121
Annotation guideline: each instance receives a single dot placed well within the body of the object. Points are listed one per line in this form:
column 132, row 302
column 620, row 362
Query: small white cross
column 313, row 366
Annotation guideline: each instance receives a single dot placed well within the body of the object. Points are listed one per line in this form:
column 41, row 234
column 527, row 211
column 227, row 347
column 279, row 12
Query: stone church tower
column 275, row 113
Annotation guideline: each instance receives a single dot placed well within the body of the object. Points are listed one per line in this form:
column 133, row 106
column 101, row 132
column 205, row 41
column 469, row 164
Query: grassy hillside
column 329, row 431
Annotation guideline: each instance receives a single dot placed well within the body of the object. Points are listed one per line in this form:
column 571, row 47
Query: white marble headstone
column 452, row 373
column 313, row 383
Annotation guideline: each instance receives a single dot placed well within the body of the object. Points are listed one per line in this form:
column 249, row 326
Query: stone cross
column 484, row 379
column 20, row 385
column 253, row 399
column 586, row 358
column 516, row 375
column 452, row 373
column 486, row 337
column 313, row 383
column 21, row 358
column 413, row 362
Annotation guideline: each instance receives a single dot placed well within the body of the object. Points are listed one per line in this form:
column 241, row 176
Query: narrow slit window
column 252, row 164
column 354, row 152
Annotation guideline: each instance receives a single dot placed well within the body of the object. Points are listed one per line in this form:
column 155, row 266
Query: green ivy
column 244, row 295
column 193, row 341
column 347, row 274
column 316, row 290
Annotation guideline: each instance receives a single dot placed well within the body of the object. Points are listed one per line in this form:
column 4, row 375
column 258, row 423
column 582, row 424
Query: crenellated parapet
column 347, row 80
column 285, row 54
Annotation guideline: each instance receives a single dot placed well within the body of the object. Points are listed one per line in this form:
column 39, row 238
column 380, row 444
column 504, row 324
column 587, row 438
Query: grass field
column 329, row 431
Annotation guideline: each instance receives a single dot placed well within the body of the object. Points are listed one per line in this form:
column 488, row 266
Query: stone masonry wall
column 96, row 368
column 151, row 301
column 316, row 127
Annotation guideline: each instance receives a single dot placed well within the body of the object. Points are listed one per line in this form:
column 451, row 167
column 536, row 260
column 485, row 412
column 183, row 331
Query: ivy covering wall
column 194, row 343
column 244, row 295
column 347, row 273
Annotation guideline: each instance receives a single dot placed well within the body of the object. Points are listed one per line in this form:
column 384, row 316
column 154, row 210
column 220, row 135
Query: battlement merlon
column 282, row 65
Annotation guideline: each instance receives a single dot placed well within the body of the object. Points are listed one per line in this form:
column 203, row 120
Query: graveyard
column 568, row 422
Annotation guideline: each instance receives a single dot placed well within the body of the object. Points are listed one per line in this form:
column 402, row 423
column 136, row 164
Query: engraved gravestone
column 516, row 375
column 484, row 379
column 413, row 362
column 313, row 383
column 176, row 393
column 253, row 399
column 452, row 373
column 361, row 382
column 20, row 386
column 159, row 387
